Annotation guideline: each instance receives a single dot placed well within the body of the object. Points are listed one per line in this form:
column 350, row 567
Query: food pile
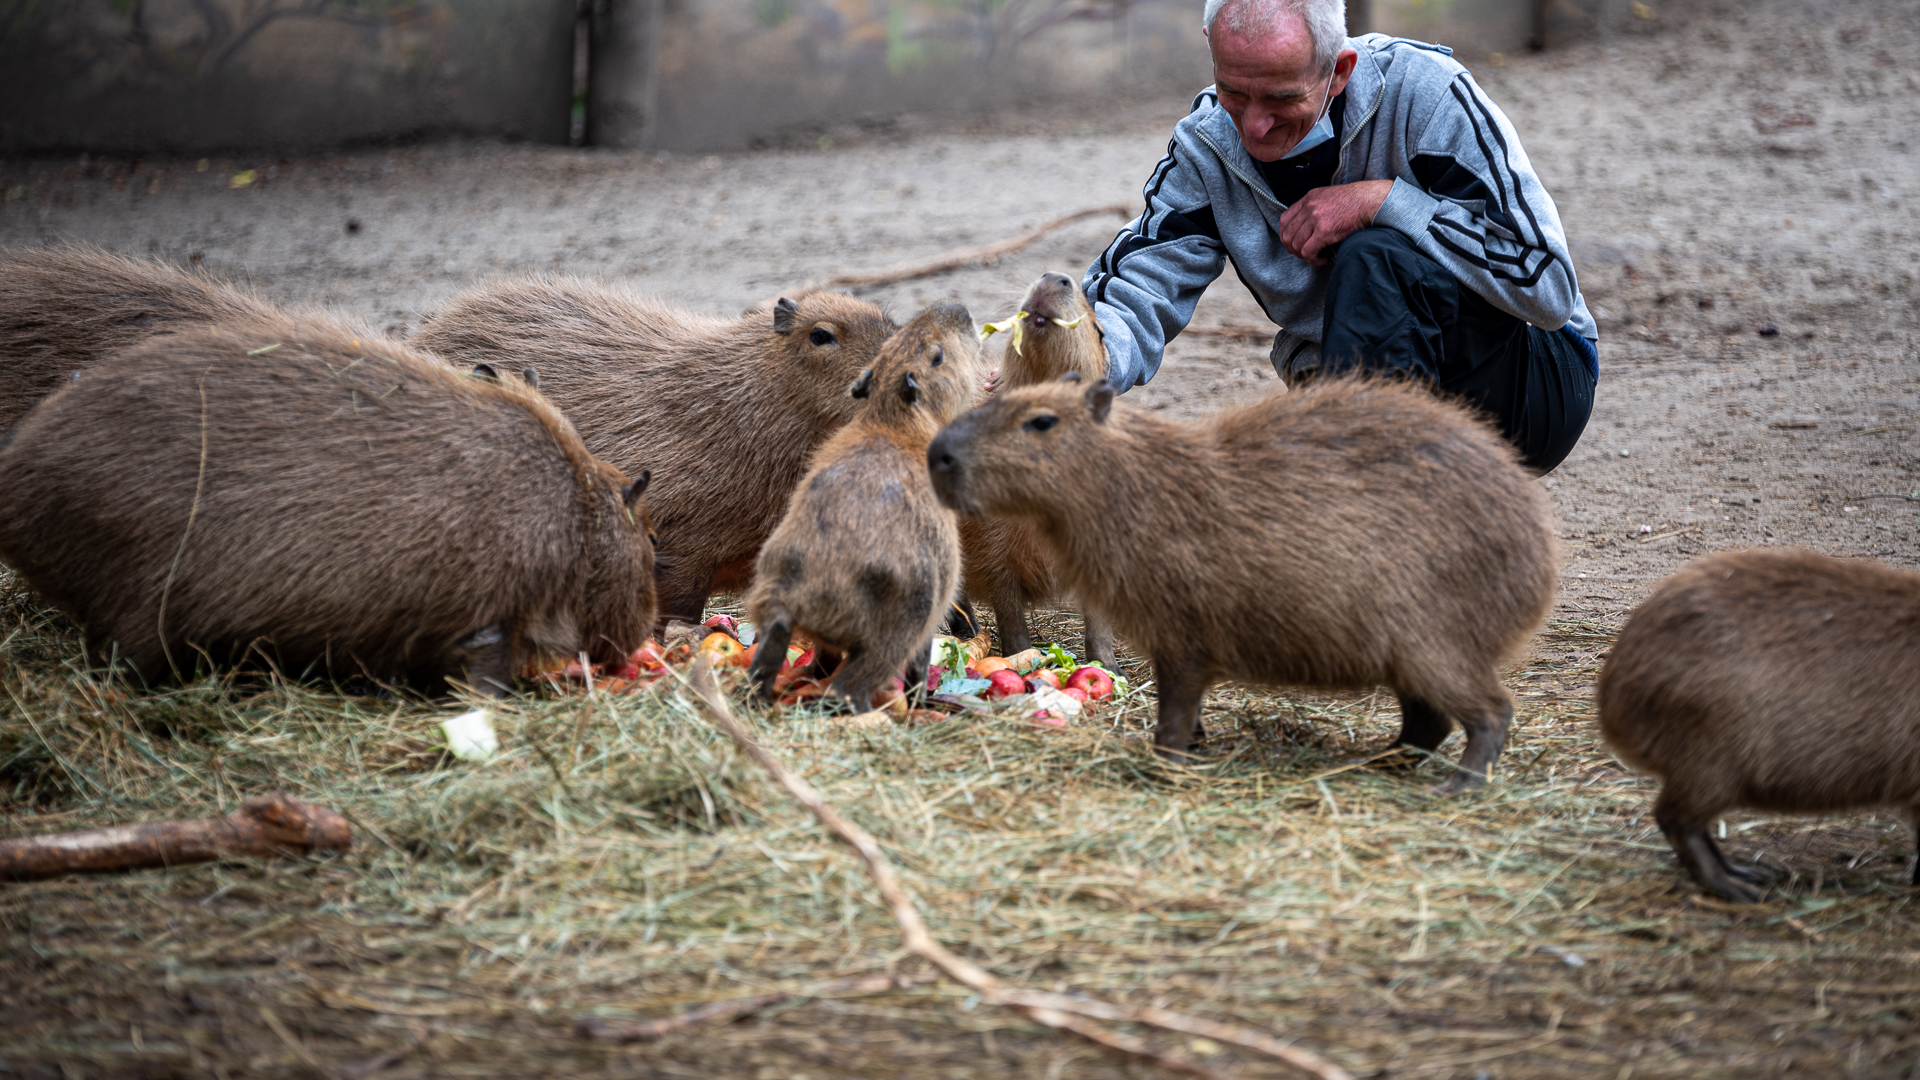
column 1048, row 685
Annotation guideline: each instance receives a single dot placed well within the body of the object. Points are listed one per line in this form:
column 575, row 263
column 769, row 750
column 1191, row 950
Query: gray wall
column 187, row 75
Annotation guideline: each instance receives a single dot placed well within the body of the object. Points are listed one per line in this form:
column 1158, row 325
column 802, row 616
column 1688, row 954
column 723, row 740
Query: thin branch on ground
column 730, row 1009
column 952, row 260
column 1060, row 1011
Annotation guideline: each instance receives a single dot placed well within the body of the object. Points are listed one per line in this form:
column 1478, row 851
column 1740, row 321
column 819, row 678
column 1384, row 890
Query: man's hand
column 1325, row 216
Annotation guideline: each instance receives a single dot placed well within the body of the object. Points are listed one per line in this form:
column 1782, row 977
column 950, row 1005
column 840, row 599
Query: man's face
column 1269, row 85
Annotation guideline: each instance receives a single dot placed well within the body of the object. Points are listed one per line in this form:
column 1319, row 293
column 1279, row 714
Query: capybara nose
column 1057, row 281
column 940, row 459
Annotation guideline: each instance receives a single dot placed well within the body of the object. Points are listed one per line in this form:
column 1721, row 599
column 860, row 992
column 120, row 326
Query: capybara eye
column 822, row 336
column 1042, row 422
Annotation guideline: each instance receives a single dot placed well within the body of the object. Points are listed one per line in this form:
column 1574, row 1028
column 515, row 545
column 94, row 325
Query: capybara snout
column 1773, row 680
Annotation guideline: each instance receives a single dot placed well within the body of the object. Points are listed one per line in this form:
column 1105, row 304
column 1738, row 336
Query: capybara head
column 1006, row 458
column 830, row 335
column 1054, row 333
column 930, row 370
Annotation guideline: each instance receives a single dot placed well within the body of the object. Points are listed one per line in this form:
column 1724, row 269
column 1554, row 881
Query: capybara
column 725, row 412
column 1357, row 534
column 61, row 309
column 340, row 504
column 1770, row 680
column 866, row 560
column 1003, row 562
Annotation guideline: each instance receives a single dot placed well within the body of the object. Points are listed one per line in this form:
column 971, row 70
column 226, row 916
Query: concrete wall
column 133, row 76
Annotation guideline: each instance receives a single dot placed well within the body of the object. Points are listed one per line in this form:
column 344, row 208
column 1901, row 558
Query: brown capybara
column 725, row 412
column 61, row 309
column 1356, row 534
column 1003, row 562
column 340, row 504
column 1770, row 680
column 866, row 560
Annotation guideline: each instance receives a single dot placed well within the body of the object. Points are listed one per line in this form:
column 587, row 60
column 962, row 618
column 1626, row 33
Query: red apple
column 648, row 657
column 1005, row 683
column 1076, row 694
column 1097, row 684
column 1047, row 676
column 726, row 624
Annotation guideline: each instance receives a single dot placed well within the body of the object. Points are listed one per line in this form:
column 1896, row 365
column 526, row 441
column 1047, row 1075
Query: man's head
column 1276, row 64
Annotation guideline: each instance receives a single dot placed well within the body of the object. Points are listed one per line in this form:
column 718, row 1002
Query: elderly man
column 1380, row 209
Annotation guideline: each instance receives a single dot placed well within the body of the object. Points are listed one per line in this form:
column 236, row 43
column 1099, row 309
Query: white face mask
column 1322, row 129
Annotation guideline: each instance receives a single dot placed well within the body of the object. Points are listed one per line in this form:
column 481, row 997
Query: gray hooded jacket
column 1463, row 190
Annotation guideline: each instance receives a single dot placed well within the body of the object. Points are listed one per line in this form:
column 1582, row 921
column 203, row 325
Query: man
column 1380, row 209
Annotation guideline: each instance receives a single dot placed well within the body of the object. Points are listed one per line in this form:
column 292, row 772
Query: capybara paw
column 1734, row 890
column 1455, row 784
column 1750, row 874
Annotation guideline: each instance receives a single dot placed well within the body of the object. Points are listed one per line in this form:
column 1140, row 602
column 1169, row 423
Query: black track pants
column 1391, row 308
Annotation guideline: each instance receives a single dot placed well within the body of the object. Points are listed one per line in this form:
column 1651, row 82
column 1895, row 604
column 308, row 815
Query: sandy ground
column 1715, row 174
column 1719, row 172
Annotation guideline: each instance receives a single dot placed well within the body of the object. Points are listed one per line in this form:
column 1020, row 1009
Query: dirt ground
column 1740, row 188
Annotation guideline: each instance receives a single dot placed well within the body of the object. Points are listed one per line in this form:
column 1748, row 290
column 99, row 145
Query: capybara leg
column 1486, row 735
column 917, row 671
column 1686, row 829
column 1183, row 686
column 865, row 672
column 1913, row 818
column 1010, row 615
column 962, row 622
column 683, row 595
column 1745, row 873
column 1422, row 726
column 489, row 661
column 769, row 654
column 1100, row 642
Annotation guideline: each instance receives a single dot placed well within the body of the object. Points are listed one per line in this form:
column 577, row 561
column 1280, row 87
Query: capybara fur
column 866, row 560
column 62, row 309
column 1770, row 680
column 338, row 504
column 1002, row 561
column 724, row 412
column 1357, row 534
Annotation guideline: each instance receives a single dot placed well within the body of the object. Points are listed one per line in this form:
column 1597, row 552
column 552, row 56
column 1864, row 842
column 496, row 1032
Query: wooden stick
column 720, row 1012
column 272, row 824
column 952, row 260
column 1062, row 1011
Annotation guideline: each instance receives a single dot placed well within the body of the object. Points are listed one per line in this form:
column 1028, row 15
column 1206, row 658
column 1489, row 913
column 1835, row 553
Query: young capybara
column 1770, row 680
column 1357, row 534
column 725, row 412
column 1003, row 562
column 61, row 309
column 866, row 560
column 340, row 504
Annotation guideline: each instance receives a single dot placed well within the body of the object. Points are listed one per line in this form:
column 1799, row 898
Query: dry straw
column 627, row 864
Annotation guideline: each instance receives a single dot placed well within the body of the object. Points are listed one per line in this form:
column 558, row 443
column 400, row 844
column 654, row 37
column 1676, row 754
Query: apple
column 628, row 671
column 648, row 657
column 1095, row 682
column 723, row 649
column 1076, row 694
column 987, row 665
column 1005, row 683
column 1049, row 718
column 1046, row 676
column 726, row 624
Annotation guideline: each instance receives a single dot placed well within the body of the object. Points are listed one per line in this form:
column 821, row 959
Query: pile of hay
column 618, row 860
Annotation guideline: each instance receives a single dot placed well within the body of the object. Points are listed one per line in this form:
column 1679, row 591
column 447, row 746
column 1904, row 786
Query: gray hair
column 1326, row 22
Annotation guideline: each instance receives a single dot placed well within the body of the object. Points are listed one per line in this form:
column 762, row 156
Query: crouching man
column 1381, row 210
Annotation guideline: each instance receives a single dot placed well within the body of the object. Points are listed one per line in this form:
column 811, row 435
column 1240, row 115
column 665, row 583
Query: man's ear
column 1100, row 400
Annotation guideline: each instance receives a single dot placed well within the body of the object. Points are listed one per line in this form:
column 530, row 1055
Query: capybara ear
column 861, row 384
column 909, row 390
column 638, row 487
column 532, row 375
column 1071, row 376
column 486, row 371
column 785, row 314
column 1100, row 400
